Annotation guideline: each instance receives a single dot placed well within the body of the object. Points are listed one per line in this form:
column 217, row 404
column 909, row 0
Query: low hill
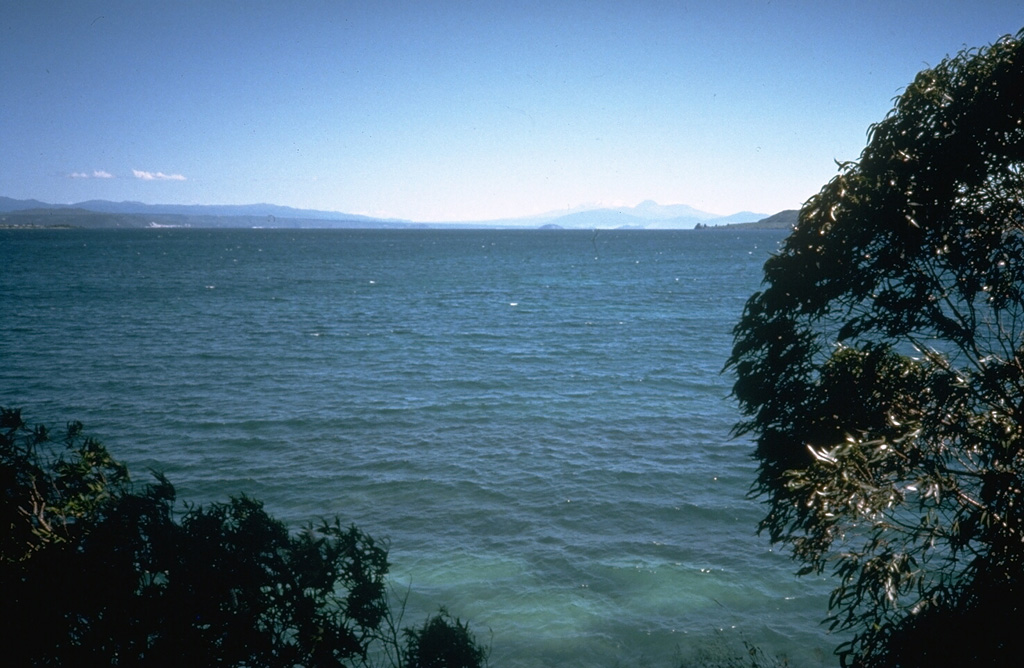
column 783, row 220
column 77, row 217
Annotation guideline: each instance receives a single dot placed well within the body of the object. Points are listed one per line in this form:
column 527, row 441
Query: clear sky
column 458, row 110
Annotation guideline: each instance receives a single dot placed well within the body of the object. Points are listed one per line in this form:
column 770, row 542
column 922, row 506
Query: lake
column 535, row 420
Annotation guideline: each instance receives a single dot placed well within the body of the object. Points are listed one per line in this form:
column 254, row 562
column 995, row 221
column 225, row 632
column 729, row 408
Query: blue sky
column 436, row 111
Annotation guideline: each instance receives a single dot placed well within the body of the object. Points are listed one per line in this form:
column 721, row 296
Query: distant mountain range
column 263, row 212
column 102, row 213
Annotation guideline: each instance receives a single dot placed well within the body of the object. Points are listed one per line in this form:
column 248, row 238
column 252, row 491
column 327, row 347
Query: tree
column 881, row 371
column 95, row 570
column 443, row 642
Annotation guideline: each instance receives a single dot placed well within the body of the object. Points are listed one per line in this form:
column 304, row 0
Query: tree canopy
column 881, row 370
column 96, row 570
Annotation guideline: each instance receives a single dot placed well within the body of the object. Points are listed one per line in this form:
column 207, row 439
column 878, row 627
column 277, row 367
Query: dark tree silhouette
column 881, row 370
column 95, row 570
column 443, row 642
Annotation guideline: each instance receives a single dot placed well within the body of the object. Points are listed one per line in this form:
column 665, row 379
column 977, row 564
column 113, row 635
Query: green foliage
column 443, row 642
column 881, row 369
column 97, row 571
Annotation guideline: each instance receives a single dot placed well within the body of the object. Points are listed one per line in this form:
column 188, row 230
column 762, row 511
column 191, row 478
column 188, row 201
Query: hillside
column 783, row 220
column 77, row 217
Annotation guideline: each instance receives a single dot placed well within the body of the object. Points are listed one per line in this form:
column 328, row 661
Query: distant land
column 647, row 215
column 783, row 220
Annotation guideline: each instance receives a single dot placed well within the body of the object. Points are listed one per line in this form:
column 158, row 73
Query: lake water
column 535, row 420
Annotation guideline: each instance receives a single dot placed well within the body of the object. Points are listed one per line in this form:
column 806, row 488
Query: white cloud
column 156, row 176
column 96, row 174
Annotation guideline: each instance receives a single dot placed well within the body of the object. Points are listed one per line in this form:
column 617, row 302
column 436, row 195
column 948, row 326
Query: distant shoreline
column 106, row 215
column 86, row 219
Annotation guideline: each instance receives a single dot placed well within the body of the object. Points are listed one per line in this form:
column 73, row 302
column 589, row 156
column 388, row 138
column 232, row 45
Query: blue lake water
column 535, row 420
